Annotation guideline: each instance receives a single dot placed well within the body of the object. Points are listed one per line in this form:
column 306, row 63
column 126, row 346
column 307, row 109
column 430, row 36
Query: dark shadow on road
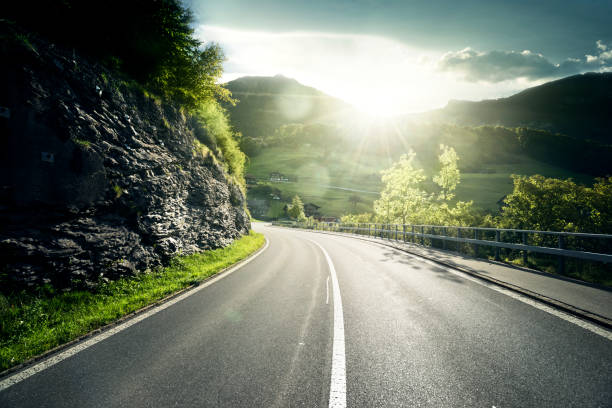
column 401, row 258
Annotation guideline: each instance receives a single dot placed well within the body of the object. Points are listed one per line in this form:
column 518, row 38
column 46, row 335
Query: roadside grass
column 32, row 323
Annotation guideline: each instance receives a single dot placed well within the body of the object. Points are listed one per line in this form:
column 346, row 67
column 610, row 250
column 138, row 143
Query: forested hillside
column 577, row 106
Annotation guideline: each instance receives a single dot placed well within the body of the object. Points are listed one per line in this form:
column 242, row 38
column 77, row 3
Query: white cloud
column 498, row 66
column 601, row 45
column 378, row 74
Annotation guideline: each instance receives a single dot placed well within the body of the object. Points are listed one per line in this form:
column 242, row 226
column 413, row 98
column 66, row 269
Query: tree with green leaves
column 404, row 198
column 152, row 42
column 296, row 209
column 448, row 176
column 403, row 192
column 550, row 204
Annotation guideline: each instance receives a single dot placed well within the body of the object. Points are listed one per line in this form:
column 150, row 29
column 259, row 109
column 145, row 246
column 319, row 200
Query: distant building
column 278, row 178
column 311, row 210
column 250, row 179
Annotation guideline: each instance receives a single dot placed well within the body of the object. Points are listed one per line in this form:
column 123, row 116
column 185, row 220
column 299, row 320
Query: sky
column 394, row 56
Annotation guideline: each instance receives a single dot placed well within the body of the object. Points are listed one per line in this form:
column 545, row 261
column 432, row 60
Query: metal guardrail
column 416, row 233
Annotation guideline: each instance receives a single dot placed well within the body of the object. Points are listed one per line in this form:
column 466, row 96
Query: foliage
column 32, row 323
column 403, row 194
column 296, row 209
column 326, row 137
column 212, row 128
column 449, row 175
column 404, row 198
column 561, row 150
column 151, row 41
column 549, row 204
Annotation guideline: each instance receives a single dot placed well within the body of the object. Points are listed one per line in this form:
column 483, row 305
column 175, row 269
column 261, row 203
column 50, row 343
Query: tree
column 402, row 194
column 550, row 204
column 449, row 175
column 296, row 209
column 151, row 41
column 404, row 199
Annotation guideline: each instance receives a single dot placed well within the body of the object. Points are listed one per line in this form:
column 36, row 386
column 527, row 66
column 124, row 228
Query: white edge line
column 337, row 388
column 43, row 365
column 527, row 300
column 522, row 298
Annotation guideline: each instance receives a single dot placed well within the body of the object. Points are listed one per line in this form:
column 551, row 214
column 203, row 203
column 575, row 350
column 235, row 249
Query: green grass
column 347, row 169
column 32, row 323
column 86, row 144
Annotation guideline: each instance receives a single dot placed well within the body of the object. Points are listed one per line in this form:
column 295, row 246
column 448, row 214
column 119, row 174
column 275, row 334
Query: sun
column 377, row 106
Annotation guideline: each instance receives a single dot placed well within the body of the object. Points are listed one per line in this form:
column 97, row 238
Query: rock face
column 98, row 180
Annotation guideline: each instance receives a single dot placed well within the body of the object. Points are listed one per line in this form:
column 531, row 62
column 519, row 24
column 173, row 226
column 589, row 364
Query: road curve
column 414, row 335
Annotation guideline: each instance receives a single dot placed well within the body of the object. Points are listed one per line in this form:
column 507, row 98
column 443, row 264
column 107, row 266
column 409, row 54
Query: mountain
column 329, row 153
column 578, row 106
column 266, row 103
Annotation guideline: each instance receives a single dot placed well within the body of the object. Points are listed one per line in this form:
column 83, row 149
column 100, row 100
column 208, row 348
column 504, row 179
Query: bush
column 212, row 128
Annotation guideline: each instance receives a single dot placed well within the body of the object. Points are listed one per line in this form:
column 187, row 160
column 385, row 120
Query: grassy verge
column 31, row 324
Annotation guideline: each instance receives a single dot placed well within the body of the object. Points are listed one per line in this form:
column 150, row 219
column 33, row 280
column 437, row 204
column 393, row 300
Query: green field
column 317, row 174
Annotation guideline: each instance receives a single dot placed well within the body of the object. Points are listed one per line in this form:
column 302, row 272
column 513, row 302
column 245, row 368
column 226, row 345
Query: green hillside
column 318, row 181
column 332, row 156
column 578, row 106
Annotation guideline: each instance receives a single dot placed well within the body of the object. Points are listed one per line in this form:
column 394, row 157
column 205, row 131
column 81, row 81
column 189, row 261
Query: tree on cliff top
column 150, row 40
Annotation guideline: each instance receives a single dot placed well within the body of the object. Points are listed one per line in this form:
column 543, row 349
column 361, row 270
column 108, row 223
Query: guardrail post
column 458, row 245
column 497, row 239
column 443, row 240
column 396, row 232
column 404, row 232
column 412, row 237
column 525, row 251
column 561, row 266
column 476, row 245
column 422, row 232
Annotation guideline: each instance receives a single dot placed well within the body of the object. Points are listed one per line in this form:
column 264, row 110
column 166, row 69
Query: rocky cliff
column 97, row 178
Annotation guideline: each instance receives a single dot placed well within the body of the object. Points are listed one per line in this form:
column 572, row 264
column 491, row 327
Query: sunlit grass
column 360, row 169
column 31, row 324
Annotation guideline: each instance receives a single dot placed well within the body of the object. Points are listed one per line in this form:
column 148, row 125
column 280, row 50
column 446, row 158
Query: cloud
column 377, row 73
column 498, row 66
column 371, row 72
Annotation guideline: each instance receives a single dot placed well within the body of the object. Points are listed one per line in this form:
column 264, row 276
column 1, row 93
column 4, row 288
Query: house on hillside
column 276, row 177
column 250, row 179
column 311, row 210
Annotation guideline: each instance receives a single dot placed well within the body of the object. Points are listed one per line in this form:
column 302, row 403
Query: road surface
column 270, row 335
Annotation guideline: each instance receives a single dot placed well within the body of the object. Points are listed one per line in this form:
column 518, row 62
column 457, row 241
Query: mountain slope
column 578, row 106
column 265, row 103
column 335, row 164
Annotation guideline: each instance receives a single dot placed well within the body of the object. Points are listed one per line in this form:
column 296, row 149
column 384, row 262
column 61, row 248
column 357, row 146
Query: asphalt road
column 263, row 336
